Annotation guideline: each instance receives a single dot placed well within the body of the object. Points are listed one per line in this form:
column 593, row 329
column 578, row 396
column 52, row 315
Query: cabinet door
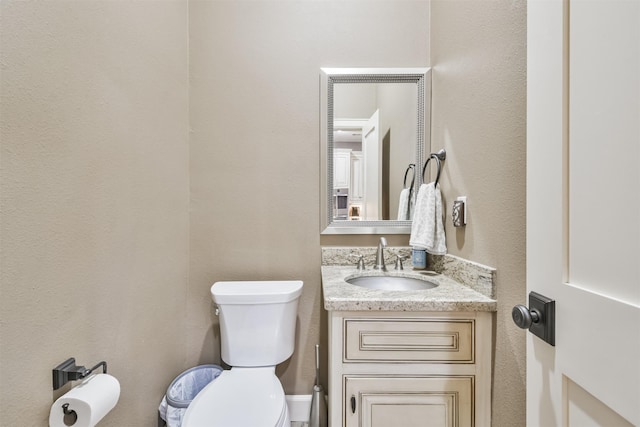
column 341, row 168
column 357, row 177
column 430, row 401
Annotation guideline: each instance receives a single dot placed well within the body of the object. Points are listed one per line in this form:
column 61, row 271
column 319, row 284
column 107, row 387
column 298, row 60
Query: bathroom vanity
column 409, row 358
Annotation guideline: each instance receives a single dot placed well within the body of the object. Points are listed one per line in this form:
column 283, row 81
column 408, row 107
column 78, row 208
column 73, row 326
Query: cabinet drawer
column 410, row 340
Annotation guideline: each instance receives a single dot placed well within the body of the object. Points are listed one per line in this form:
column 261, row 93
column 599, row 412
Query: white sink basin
column 392, row 283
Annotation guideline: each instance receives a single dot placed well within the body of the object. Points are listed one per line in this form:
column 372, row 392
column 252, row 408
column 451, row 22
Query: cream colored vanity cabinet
column 409, row 369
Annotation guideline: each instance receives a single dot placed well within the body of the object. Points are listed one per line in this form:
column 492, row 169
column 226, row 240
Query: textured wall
column 255, row 144
column 94, row 244
column 479, row 86
column 95, row 176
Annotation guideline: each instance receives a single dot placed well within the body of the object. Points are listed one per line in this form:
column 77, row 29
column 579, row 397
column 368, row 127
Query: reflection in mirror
column 373, row 133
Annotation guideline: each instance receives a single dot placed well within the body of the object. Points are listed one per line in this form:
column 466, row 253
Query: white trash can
column 183, row 389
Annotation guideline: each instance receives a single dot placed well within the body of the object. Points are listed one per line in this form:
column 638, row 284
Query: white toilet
column 257, row 331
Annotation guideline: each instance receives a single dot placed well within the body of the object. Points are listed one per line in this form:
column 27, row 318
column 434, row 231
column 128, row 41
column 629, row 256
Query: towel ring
column 413, row 178
column 439, row 156
column 424, row 168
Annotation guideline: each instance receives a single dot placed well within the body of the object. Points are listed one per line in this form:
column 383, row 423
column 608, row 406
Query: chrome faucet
column 380, row 255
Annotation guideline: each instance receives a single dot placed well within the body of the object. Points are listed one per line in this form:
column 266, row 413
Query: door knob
column 540, row 318
column 523, row 317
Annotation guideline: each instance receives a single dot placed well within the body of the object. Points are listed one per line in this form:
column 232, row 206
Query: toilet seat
column 240, row 397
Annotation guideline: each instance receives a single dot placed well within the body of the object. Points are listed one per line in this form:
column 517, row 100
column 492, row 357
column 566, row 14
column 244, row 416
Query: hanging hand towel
column 427, row 229
column 403, row 207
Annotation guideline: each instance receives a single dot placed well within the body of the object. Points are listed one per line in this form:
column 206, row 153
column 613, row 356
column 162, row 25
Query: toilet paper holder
column 71, row 416
column 68, row 371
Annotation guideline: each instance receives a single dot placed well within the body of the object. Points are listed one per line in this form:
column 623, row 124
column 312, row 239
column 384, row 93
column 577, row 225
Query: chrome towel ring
column 411, row 166
column 440, row 156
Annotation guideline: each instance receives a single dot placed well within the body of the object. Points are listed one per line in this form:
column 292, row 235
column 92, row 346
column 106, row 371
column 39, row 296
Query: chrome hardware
column 70, row 416
column 411, row 167
column 318, row 417
column 68, row 371
column 440, row 156
column 399, row 265
column 360, row 263
column 379, row 265
column 540, row 318
column 523, row 317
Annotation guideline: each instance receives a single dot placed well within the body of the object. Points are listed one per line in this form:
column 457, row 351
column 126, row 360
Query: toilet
column 257, row 332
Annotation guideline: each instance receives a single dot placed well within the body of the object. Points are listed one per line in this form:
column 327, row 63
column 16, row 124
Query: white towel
column 427, row 228
column 403, row 206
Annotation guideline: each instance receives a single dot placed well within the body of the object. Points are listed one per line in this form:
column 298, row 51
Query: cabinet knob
column 353, row 404
column 523, row 317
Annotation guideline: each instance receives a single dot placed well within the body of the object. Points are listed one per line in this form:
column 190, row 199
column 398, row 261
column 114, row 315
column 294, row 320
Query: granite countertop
column 449, row 295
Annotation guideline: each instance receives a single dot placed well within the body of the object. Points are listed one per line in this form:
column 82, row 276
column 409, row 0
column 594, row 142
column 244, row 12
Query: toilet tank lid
column 256, row 292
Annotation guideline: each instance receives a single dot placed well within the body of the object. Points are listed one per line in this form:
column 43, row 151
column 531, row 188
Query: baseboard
column 299, row 406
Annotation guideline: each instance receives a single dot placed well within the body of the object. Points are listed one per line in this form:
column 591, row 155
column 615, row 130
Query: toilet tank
column 257, row 320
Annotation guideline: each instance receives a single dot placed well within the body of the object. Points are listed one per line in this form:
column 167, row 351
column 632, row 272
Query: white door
column 583, row 210
column 372, row 169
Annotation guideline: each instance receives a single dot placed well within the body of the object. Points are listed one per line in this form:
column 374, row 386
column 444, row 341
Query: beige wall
column 94, row 244
column 479, row 86
column 95, row 175
column 398, row 112
column 255, row 199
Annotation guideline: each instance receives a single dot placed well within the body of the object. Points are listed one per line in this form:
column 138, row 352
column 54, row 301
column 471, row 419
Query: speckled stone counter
column 449, row 295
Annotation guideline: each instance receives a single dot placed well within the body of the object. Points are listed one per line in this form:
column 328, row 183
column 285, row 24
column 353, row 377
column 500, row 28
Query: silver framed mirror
column 374, row 133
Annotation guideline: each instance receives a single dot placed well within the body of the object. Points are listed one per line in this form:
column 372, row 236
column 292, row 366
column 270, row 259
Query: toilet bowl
column 257, row 332
column 240, row 397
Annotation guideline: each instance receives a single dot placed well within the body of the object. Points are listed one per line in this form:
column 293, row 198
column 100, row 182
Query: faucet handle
column 399, row 260
column 360, row 263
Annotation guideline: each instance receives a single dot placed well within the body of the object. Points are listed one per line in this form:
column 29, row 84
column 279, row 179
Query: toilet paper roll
column 91, row 400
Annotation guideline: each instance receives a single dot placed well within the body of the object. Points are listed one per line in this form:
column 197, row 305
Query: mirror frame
column 330, row 76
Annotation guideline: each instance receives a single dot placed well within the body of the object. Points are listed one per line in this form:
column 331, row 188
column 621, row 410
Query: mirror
column 374, row 131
